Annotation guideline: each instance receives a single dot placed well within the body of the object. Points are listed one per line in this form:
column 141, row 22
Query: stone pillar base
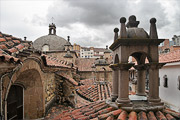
column 141, row 94
column 156, row 103
column 123, row 100
column 154, row 100
column 125, row 104
column 114, row 97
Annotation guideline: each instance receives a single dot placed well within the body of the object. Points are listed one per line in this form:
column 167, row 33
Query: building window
column 178, row 82
column 165, row 81
column 45, row 48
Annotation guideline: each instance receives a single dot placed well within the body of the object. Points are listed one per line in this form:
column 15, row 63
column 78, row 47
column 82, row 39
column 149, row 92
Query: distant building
column 77, row 48
column 92, row 52
column 176, row 40
column 168, row 46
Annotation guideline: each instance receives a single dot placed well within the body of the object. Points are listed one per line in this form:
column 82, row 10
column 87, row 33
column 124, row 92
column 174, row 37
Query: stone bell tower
column 52, row 29
column 136, row 42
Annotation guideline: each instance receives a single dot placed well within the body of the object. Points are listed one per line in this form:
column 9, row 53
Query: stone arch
column 30, row 76
column 140, row 57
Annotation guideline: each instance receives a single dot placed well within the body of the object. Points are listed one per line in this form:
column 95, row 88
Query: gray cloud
column 104, row 15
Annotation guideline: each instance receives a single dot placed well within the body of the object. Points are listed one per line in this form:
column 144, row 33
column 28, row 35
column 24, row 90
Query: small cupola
column 52, row 29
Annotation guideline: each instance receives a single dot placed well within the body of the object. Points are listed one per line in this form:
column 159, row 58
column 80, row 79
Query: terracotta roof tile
column 71, row 80
column 2, row 40
column 20, row 46
column 160, row 115
column 10, row 44
column 3, row 47
column 16, row 41
column 8, row 38
column 133, row 116
column 172, row 112
column 122, row 116
column 110, row 117
column 12, row 50
column 52, row 61
column 142, row 116
column 151, row 116
column 94, row 91
column 8, row 58
column 170, row 57
column 96, row 111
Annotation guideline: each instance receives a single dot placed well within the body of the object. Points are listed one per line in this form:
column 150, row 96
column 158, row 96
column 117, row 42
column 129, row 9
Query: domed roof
column 53, row 41
column 100, row 61
column 136, row 33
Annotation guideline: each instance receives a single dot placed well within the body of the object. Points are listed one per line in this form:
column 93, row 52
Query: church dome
column 52, row 41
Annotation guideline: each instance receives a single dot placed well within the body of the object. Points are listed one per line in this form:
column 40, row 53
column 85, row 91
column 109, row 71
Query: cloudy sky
column 88, row 22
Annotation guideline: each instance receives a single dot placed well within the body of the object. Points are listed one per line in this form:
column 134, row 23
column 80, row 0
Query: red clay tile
column 16, row 41
column 172, row 112
column 114, row 113
column 170, row 57
column 8, row 38
column 122, row 116
column 110, row 117
column 142, row 116
column 133, row 116
column 169, row 117
column 151, row 116
column 160, row 116
column 2, row 40
column 3, row 47
column 12, row 50
column 20, row 46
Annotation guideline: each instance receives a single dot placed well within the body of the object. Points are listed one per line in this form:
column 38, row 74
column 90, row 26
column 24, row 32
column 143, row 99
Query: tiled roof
column 52, row 61
column 11, row 46
column 95, row 92
column 102, row 111
column 87, row 81
column 70, row 79
column 85, row 64
column 81, row 102
column 170, row 57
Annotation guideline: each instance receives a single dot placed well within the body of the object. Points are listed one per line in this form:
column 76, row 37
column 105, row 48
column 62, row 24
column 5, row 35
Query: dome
column 100, row 61
column 53, row 41
column 136, row 33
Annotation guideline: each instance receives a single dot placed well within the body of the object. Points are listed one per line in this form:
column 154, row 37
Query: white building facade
column 169, row 88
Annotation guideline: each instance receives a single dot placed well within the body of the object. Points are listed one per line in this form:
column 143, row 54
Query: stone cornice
column 134, row 42
column 121, row 66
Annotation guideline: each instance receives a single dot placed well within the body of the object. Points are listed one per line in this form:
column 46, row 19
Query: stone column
column 141, row 79
column 114, row 94
column 123, row 84
column 154, row 82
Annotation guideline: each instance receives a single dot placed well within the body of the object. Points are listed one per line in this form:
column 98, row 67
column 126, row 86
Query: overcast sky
column 88, row 22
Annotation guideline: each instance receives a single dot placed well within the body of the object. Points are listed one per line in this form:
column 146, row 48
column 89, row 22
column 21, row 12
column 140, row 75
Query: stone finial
column 116, row 30
column 132, row 22
column 68, row 38
column 153, row 30
column 123, row 33
column 106, row 47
